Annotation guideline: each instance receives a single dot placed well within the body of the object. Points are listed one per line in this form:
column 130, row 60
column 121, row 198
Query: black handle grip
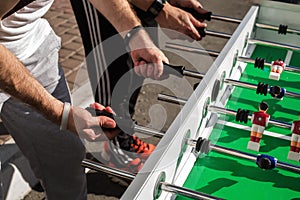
column 172, row 69
column 202, row 32
column 126, row 125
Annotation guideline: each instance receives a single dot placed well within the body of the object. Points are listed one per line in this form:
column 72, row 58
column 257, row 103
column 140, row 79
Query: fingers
column 97, row 106
column 106, row 122
column 148, row 62
column 90, row 134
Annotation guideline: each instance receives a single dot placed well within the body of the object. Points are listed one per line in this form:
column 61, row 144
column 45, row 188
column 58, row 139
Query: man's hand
column 179, row 20
column 147, row 58
column 194, row 4
column 91, row 128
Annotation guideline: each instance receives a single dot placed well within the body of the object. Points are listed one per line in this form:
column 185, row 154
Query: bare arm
column 5, row 6
column 147, row 58
column 17, row 81
column 118, row 12
column 175, row 18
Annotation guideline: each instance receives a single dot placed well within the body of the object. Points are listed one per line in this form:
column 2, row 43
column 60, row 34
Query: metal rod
column 276, row 28
column 193, row 74
column 253, row 86
column 259, row 25
column 192, row 49
column 106, row 169
column 220, row 110
column 233, row 152
column 215, row 54
column 264, row 42
column 171, row 99
column 226, row 19
column 130, row 176
column 186, row 192
column 148, row 131
column 250, row 60
column 252, row 157
column 240, row 83
column 218, row 34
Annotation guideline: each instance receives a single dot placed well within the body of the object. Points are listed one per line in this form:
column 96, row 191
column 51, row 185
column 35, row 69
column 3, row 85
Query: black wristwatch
column 156, row 7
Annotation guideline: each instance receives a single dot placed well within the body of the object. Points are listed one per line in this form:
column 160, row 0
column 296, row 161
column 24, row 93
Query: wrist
column 156, row 7
column 65, row 116
column 130, row 35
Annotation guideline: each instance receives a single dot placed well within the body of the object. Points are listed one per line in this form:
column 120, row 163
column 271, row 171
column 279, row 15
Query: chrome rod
column 193, row 74
column 259, row 25
column 240, row 83
column 276, row 28
column 233, row 152
column 148, row 131
column 226, row 19
column 220, row 110
column 218, row 34
column 215, row 54
column 191, row 49
column 253, row 157
column 106, row 169
column 225, row 111
column 264, row 42
column 186, row 192
column 130, row 176
column 171, row 99
column 253, row 86
column 250, row 60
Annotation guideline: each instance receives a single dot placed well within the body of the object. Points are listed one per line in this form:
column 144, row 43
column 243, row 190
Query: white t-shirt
column 23, row 33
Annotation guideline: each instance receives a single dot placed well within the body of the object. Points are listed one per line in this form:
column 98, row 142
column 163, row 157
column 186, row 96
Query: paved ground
column 72, row 57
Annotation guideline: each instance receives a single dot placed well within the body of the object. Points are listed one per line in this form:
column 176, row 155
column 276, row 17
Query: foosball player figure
column 295, row 141
column 259, row 121
column 266, row 162
column 277, row 92
column 276, row 68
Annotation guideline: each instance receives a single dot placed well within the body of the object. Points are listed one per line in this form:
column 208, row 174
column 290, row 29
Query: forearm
column 17, row 81
column 118, row 12
column 5, row 6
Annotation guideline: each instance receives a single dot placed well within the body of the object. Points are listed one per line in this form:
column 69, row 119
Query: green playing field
column 229, row 177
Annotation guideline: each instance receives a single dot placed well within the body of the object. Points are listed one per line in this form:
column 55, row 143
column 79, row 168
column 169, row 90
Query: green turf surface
column 230, row 177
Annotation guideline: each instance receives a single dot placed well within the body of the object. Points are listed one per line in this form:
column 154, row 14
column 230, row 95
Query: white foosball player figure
column 276, row 69
column 295, row 141
column 259, row 121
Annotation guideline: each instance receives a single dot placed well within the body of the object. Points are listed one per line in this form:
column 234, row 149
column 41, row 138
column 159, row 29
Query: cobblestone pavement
column 62, row 19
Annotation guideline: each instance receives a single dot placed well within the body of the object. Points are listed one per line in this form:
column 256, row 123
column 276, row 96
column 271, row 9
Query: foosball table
column 237, row 136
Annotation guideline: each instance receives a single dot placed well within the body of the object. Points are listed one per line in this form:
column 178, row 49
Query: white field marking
column 239, row 126
column 288, row 57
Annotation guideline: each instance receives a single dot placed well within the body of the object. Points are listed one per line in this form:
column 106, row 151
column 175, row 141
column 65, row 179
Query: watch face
column 156, row 7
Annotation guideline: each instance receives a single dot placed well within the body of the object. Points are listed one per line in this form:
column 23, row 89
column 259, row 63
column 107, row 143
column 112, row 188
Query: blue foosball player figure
column 277, row 92
column 266, row 162
column 259, row 121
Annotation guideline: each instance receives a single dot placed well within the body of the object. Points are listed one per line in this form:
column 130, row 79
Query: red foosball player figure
column 295, row 141
column 259, row 121
column 276, row 68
